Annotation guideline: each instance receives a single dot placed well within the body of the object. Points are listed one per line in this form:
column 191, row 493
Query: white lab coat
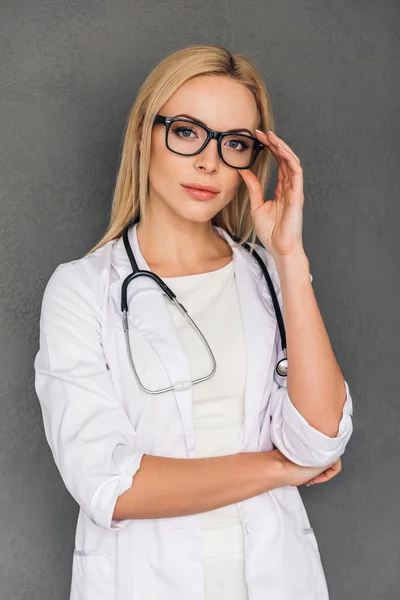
column 99, row 423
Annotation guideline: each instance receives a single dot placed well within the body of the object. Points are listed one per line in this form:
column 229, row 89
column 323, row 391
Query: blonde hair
column 131, row 187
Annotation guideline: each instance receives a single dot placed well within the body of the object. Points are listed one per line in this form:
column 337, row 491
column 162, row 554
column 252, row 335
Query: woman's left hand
column 279, row 222
column 328, row 474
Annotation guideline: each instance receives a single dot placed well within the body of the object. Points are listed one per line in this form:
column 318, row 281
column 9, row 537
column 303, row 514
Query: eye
column 183, row 131
column 239, row 144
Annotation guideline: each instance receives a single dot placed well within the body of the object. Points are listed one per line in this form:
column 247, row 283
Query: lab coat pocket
column 93, row 575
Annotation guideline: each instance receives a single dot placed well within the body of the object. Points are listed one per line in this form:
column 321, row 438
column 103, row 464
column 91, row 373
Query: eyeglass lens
column 187, row 138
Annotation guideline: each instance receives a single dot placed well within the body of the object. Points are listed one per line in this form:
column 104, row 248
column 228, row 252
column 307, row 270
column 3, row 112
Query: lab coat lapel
column 151, row 316
column 149, row 313
column 259, row 326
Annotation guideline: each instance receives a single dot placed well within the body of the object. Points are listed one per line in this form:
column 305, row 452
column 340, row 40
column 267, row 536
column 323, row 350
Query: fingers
column 273, row 148
column 291, row 160
column 330, row 473
column 255, row 191
column 276, row 142
column 267, row 139
column 287, row 160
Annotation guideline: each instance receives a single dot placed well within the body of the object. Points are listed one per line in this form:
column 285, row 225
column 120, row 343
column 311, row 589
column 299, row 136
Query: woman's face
column 222, row 104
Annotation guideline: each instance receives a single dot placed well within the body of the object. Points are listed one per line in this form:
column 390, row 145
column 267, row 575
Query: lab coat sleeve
column 92, row 440
column 290, row 432
column 298, row 440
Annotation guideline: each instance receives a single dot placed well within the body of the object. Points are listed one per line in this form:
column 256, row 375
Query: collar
column 148, row 313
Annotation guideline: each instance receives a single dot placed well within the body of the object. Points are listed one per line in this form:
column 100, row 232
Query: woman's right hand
column 293, row 474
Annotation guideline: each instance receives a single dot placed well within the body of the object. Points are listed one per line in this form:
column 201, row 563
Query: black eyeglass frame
column 211, row 134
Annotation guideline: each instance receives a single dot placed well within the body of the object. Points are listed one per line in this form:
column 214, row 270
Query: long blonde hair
column 131, row 187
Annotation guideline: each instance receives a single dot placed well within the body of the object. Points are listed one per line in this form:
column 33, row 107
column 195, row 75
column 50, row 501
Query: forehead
column 219, row 101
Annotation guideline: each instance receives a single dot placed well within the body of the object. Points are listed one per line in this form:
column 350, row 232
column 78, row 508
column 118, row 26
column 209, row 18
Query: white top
column 212, row 301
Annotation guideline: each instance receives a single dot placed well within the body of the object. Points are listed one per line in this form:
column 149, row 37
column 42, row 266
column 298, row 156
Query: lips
column 200, row 186
column 199, row 193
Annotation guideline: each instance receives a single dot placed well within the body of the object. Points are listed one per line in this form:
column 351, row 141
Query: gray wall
column 69, row 74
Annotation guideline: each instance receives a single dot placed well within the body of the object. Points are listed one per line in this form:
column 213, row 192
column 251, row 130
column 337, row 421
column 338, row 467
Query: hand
column 278, row 222
column 294, row 474
column 330, row 473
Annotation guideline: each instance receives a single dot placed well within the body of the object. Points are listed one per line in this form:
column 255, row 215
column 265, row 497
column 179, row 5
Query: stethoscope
column 281, row 368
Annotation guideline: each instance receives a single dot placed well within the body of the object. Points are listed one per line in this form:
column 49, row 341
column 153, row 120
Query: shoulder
column 82, row 281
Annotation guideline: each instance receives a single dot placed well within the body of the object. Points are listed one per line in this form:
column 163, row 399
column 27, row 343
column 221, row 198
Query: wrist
column 298, row 256
column 295, row 267
column 277, row 468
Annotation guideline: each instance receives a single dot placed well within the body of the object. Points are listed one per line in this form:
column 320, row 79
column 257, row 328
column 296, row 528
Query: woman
column 229, row 522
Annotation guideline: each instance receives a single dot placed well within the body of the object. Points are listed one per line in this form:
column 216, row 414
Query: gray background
column 69, row 74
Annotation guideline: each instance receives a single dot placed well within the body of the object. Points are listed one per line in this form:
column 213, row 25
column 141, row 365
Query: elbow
column 103, row 510
column 304, row 453
column 303, row 444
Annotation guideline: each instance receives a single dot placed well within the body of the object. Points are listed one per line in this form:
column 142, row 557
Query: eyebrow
column 202, row 123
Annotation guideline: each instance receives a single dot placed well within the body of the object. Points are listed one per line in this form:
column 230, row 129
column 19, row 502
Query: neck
column 171, row 244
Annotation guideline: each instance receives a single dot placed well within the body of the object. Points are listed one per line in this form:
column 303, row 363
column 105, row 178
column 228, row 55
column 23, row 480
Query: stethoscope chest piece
column 281, row 370
column 282, row 367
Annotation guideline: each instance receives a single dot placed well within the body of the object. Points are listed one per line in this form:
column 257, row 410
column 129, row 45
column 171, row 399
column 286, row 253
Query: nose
column 208, row 159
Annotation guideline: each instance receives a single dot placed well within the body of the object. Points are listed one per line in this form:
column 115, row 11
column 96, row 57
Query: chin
column 201, row 214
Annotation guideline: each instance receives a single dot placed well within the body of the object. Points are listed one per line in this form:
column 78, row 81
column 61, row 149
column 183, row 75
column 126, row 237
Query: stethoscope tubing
column 281, row 367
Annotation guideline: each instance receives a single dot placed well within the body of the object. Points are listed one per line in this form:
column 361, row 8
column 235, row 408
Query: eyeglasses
column 188, row 137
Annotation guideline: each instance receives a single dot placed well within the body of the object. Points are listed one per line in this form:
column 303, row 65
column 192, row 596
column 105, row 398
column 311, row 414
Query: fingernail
column 271, row 132
column 259, row 131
